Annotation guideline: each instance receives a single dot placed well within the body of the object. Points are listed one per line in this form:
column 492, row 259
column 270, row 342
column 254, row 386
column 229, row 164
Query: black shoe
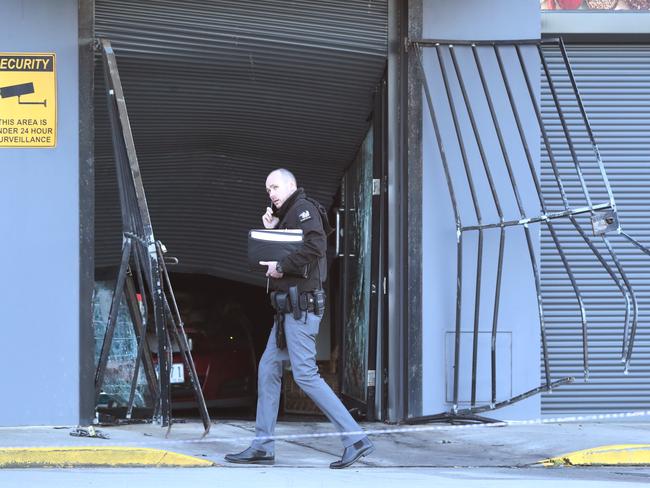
column 251, row 456
column 353, row 453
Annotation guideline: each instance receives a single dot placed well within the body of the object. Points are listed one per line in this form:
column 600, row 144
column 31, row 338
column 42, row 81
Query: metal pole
column 397, row 163
column 556, row 240
column 610, row 194
column 178, row 331
column 459, row 135
column 477, row 211
column 440, row 143
column 497, row 204
column 495, row 317
column 625, row 292
column 523, row 42
column 520, row 206
column 459, row 234
column 565, row 127
column 590, row 132
column 625, row 356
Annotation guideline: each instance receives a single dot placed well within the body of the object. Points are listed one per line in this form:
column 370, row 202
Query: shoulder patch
column 304, row 216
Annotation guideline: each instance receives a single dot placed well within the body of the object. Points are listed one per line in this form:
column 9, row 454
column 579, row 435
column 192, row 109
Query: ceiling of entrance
column 221, row 92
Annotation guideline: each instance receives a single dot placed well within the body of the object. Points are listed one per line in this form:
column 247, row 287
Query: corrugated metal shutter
column 614, row 81
column 219, row 93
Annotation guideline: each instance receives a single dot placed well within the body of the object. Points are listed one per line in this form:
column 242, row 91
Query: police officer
column 305, row 270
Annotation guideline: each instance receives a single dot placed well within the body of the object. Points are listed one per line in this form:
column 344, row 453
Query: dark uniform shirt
column 299, row 213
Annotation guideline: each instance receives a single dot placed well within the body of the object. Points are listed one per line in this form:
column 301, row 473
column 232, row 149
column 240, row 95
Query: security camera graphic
column 18, row 91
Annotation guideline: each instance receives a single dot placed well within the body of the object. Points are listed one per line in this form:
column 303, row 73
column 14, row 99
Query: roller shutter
column 614, row 81
column 219, row 93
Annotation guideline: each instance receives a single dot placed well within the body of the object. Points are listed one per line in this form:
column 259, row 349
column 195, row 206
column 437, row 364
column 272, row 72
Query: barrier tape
column 430, row 428
column 387, row 431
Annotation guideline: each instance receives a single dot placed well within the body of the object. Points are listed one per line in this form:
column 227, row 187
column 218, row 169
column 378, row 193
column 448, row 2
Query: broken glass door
column 356, row 280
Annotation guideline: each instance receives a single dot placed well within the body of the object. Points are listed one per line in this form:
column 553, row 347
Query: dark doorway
column 220, row 93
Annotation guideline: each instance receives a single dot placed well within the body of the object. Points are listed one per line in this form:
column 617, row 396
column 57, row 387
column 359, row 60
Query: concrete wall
column 518, row 343
column 39, row 198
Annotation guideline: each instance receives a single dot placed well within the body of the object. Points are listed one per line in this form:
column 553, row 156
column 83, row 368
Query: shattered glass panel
column 124, row 349
column 355, row 332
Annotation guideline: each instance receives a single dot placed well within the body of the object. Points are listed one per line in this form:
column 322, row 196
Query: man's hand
column 269, row 220
column 271, row 269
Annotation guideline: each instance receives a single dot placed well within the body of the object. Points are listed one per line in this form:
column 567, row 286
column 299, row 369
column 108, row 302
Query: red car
column 225, row 364
column 221, row 345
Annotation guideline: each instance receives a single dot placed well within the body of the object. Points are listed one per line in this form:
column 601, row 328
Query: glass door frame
column 377, row 347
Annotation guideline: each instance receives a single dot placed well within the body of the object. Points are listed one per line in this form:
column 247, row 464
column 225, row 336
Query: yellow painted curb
column 30, row 457
column 619, row 454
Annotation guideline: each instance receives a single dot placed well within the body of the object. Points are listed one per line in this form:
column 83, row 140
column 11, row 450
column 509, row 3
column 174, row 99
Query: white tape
column 394, row 430
column 430, row 428
column 413, row 429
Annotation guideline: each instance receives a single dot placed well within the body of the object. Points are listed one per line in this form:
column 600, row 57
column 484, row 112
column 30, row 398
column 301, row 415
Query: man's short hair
column 286, row 175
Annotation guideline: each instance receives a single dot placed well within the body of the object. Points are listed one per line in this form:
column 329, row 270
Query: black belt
column 305, row 304
column 289, row 302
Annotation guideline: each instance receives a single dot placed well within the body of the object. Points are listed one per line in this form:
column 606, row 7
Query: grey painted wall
column 518, row 344
column 39, row 198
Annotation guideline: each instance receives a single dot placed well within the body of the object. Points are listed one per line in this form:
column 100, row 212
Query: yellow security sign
column 27, row 100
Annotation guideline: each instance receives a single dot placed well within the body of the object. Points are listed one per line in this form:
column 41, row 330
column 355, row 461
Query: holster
column 279, row 303
column 295, row 302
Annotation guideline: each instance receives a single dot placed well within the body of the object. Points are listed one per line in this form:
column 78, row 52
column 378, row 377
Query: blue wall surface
column 518, row 342
column 39, row 198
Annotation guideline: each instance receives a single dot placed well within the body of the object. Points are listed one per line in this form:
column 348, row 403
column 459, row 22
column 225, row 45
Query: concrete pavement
column 445, row 447
column 361, row 477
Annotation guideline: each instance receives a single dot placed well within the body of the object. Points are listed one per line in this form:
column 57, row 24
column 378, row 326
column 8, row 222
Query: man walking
column 296, row 278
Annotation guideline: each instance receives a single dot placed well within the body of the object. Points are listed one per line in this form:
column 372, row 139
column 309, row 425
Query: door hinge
column 371, row 377
column 376, row 187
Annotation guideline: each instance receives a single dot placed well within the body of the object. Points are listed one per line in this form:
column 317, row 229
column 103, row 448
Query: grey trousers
column 301, row 352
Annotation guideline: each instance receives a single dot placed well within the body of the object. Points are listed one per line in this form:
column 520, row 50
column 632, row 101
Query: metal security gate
column 614, row 82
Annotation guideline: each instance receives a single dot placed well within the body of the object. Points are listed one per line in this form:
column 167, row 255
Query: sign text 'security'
column 27, row 100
